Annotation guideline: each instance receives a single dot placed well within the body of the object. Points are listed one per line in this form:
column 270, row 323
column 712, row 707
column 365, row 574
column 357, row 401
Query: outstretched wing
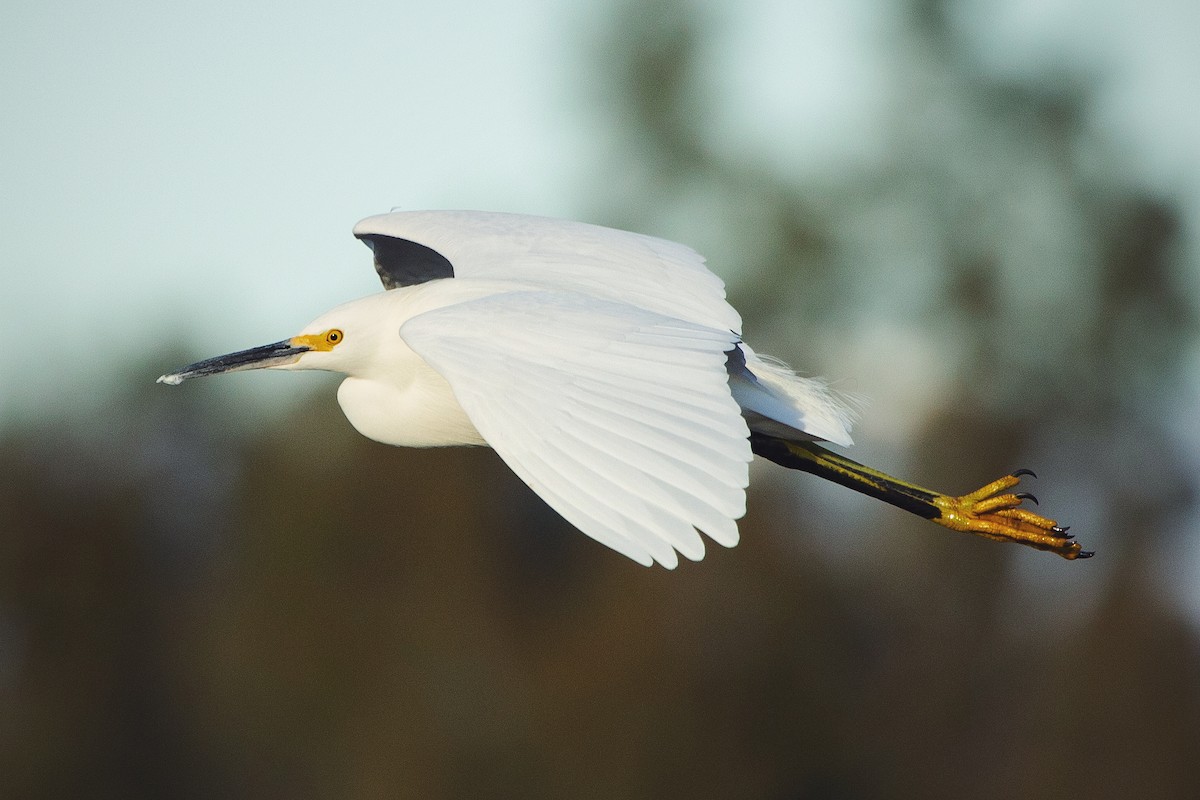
column 664, row 277
column 621, row 419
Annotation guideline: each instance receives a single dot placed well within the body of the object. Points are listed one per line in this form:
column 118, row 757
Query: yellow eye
column 333, row 336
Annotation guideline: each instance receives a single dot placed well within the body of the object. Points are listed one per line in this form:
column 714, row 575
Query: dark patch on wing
column 401, row 262
column 735, row 362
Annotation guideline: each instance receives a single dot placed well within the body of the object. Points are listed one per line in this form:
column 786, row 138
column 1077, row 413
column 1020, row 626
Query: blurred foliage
column 189, row 608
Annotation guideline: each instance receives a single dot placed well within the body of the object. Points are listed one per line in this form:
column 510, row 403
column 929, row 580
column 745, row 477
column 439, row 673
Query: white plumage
column 604, row 367
column 619, row 418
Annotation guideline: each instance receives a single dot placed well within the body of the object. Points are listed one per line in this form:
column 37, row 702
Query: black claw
column 1085, row 554
column 1024, row 471
column 1057, row 531
column 1027, row 496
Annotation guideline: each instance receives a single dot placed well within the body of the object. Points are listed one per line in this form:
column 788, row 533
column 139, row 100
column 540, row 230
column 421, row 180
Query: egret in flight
column 608, row 371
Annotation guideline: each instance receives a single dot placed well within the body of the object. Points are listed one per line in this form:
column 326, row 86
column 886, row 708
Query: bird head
column 335, row 341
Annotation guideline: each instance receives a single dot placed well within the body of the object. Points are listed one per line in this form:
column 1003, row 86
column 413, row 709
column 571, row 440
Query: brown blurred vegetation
column 194, row 606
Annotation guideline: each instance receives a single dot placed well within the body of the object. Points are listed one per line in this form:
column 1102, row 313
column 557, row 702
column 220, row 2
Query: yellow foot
column 994, row 512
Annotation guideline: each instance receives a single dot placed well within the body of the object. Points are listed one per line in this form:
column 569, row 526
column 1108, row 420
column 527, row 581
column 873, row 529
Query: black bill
column 269, row 355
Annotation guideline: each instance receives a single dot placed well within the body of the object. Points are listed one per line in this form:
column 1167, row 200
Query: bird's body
column 391, row 394
column 605, row 367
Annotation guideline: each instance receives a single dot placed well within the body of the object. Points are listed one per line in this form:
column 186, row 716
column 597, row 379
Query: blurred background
column 979, row 216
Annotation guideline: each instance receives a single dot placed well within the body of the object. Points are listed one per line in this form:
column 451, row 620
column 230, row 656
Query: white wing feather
column 620, row 418
column 655, row 274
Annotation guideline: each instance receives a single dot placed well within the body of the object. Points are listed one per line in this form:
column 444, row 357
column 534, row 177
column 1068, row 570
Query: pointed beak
column 269, row 355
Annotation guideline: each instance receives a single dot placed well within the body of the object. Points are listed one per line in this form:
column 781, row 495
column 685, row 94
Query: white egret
column 608, row 371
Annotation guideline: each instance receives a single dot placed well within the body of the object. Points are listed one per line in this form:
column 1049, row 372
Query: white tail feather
column 777, row 401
